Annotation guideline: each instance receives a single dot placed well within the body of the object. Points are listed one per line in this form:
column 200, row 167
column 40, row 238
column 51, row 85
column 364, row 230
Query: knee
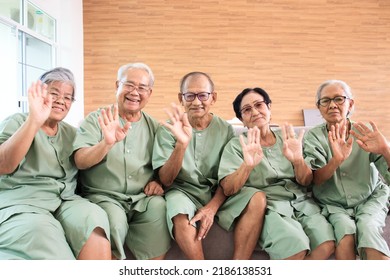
column 328, row 248
column 157, row 203
column 258, row 202
column 180, row 220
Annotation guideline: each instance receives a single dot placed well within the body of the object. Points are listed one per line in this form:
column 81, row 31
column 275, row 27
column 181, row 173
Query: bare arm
column 169, row 171
column 16, row 147
column 182, row 130
column 372, row 140
column 112, row 133
column 292, row 150
column 253, row 154
column 341, row 151
column 90, row 156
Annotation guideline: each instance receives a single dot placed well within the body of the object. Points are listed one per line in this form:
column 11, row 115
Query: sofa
column 219, row 243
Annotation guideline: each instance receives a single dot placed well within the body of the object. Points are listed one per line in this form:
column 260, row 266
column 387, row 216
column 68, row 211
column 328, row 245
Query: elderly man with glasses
column 113, row 149
column 186, row 155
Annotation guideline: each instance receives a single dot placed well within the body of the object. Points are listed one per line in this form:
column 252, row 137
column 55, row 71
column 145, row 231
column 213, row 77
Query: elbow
column 165, row 180
column 77, row 158
column 226, row 191
column 306, row 181
column 7, row 166
column 7, row 169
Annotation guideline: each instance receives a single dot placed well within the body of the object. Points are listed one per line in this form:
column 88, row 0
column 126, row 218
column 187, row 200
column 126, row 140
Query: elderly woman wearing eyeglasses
column 41, row 217
column 346, row 174
column 271, row 162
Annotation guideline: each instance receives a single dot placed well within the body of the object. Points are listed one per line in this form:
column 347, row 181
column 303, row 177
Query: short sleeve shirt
column 126, row 169
column 46, row 175
column 199, row 173
column 274, row 175
column 353, row 181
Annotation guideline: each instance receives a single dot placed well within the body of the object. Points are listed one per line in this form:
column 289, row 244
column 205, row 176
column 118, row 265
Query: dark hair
column 183, row 81
column 240, row 96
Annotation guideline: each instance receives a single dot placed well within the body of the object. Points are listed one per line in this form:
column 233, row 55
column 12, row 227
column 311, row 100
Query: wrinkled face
column 199, row 89
column 336, row 110
column 62, row 96
column 133, row 91
column 254, row 111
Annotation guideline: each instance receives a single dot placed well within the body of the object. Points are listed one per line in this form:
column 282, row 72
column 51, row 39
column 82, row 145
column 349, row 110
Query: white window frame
column 22, row 30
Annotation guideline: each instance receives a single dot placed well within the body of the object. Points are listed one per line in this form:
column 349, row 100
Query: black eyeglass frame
column 327, row 100
column 195, row 95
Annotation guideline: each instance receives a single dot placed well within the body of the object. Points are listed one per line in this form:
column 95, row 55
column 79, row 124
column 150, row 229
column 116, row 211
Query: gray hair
column 340, row 83
column 122, row 72
column 346, row 88
column 59, row 74
column 184, row 80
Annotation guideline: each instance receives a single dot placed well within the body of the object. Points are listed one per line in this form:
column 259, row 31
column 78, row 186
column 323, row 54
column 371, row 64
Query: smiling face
column 254, row 111
column 334, row 112
column 130, row 100
column 62, row 96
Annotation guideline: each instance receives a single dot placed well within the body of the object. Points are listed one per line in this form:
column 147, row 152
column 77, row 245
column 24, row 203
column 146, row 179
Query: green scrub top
column 199, row 173
column 274, row 175
column 124, row 172
column 353, row 181
column 46, row 175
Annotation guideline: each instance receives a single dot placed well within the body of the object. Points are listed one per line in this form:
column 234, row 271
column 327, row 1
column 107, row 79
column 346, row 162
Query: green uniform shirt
column 46, row 175
column 199, row 173
column 354, row 180
column 274, row 175
column 126, row 169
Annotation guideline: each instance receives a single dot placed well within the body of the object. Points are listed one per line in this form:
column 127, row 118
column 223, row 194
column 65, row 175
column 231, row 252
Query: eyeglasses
column 68, row 99
column 190, row 96
column 324, row 102
column 247, row 110
column 141, row 89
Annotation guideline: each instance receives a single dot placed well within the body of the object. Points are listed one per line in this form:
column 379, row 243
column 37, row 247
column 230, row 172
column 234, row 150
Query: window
column 28, row 35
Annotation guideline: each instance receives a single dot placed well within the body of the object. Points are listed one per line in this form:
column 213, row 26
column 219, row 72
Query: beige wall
column 286, row 47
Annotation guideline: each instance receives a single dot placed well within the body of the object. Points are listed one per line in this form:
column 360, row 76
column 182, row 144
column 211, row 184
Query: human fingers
column 116, row 112
column 256, row 135
column 242, row 141
column 374, row 127
column 290, row 129
column 104, row 116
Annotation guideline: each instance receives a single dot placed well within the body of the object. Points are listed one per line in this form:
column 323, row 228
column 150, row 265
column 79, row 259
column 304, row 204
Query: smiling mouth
column 58, row 108
column 132, row 100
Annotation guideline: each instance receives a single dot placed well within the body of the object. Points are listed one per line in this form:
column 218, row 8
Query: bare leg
column 373, row 254
column 249, row 226
column 299, row 256
column 322, row 252
column 185, row 236
column 346, row 248
column 97, row 247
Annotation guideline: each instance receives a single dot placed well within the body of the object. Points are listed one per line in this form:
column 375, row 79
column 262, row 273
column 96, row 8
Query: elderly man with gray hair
column 113, row 150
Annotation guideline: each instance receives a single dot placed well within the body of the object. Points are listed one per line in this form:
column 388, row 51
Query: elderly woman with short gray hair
column 347, row 159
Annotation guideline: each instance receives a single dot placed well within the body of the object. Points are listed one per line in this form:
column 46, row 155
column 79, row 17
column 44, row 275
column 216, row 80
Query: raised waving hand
column 178, row 125
column 252, row 151
column 112, row 130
